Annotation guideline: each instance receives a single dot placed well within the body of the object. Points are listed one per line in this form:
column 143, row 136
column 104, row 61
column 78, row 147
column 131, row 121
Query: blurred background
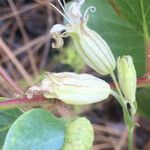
column 26, row 53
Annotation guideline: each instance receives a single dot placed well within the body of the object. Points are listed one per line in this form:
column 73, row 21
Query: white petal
column 57, row 28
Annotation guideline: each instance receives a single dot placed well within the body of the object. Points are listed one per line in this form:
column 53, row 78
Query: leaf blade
column 36, row 129
column 7, row 117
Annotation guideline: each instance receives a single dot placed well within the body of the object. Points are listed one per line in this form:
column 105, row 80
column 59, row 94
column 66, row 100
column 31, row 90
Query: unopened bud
column 72, row 88
column 79, row 135
column 127, row 77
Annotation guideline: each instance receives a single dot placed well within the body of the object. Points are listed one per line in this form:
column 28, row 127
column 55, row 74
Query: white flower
column 90, row 46
column 72, row 88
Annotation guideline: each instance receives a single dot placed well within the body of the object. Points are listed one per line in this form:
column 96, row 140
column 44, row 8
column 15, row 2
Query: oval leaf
column 36, row 130
column 7, row 117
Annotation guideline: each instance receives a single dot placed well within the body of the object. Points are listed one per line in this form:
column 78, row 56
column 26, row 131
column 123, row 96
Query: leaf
column 120, row 35
column 137, row 12
column 36, row 130
column 143, row 100
column 7, row 117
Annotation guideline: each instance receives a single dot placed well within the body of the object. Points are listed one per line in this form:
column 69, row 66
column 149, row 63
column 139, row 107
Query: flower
column 79, row 134
column 72, row 88
column 127, row 77
column 89, row 45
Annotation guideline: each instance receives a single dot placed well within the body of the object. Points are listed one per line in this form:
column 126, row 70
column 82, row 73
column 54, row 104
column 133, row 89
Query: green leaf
column 36, row 130
column 117, row 31
column 143, row 100
column 7, row 117
column 138, row 14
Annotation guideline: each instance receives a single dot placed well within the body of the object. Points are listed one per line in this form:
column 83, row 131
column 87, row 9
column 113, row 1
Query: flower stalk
column 129, row 119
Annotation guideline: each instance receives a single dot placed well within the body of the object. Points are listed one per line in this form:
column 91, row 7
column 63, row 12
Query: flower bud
column 72, row 88
column 93, row 49
column 127, row 77
column 79, row 135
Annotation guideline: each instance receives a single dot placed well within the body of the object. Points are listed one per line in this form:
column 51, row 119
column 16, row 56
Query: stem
column 10, row 82
column 115, row 7
column 145, row 25
column 116, row 84
column 117, row 98
column 147, row 45
column 130, row 138
column 127, row 118
column 146, row 38
column 141, row 82
column 15, row 103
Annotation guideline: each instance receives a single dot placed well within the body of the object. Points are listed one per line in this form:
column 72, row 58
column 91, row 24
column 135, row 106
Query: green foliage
column 137, row 12
column 118, row 32
column 36, row 130
column 143, row 100
column 7, row 117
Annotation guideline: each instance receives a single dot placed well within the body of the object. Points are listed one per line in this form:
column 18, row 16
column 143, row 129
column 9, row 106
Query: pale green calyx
column 72, row 88
column 127, row 77
column 93, row 49
column 89, row 45
column 79, row 135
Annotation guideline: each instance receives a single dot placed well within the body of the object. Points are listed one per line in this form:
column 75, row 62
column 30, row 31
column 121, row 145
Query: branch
column 15, row 61
column 10, row 82
column 16, row 103
column 147, row 45
column 141, row 82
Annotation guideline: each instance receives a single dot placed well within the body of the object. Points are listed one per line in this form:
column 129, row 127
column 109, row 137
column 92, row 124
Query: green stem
column 127, row 118
column 146, row 37
column 145, row 25
column 116, row 84
column 130, row 138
